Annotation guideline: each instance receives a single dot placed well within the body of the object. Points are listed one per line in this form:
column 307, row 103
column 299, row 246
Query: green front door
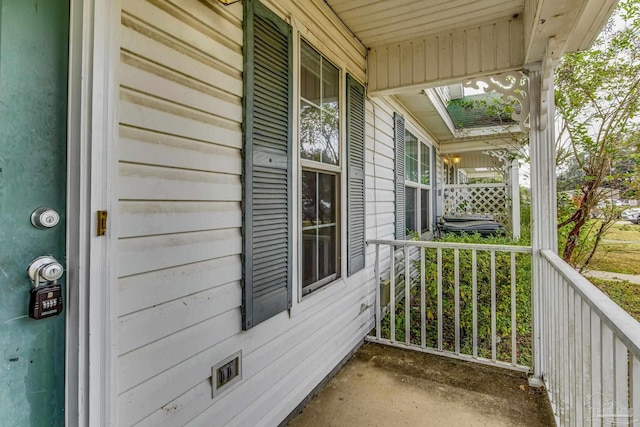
column 33, row 116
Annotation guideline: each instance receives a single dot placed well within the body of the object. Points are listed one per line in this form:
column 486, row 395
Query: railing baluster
column 551, row 320
column 621, row 387
column 559, row 351
column 456, row 298
column 493, row 306
column 571, row 351
column 440, row 299
column 392, row 295
column 634, row 398
column 423, row 297
column 556, row 343
column 586, row 360
column 474, row 289
column 378, row 282
column 608, row 368
column 565, row 354
column 407, row 297
column 577, row 360
column 596, row 366
column 513, row 310
column 543, row 303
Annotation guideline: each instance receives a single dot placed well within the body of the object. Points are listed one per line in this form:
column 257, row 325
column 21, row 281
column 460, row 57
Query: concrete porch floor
column 386, row 386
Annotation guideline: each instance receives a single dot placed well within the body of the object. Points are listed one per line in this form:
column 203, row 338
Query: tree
column 597, row 100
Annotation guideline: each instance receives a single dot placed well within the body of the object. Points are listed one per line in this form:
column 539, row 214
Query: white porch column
column 543, row 195
column 514, row 180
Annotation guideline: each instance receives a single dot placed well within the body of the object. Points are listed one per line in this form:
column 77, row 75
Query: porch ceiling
column 416, row 44
column 383, row 22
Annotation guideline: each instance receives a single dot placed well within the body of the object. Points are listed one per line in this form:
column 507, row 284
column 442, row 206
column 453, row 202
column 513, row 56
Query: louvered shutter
column 398, row 131
column 267, row 206
column 355, row 169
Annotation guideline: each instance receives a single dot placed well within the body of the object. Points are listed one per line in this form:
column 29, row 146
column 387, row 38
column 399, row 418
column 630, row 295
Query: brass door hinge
column 102, row 223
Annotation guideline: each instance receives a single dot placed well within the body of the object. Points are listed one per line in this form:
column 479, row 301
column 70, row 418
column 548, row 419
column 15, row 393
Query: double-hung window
column 417, row 184
column 320, row 163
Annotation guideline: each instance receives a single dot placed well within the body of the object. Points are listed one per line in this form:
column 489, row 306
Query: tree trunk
column 580, row 218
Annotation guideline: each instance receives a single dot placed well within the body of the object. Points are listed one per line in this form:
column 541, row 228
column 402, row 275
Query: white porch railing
column 589, row 348
column 466, row 301
column 478, row 199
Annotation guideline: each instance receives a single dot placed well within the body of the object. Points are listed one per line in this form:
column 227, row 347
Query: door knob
column 45, row 269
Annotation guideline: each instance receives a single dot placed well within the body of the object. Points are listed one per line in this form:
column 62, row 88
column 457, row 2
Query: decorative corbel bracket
column 511, row 85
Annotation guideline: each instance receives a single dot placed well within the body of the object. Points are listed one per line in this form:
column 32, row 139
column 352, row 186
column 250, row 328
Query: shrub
column 483, row 294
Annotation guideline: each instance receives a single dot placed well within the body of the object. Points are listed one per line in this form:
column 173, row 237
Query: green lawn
column 619, row 251
column 624, row 293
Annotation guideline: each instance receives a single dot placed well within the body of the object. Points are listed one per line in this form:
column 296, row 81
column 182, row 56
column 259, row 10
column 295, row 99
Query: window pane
column 319, row 110
column 309, row 73
column 329, row 138
column 309, row 199
column 424, row 210
column 309, row 244
column 326, row 251
column 318, row 135
column 319, row 226
column 327, row 196
column 410, row 208
column 330, row 87
column 411, row 157
column 425, row 165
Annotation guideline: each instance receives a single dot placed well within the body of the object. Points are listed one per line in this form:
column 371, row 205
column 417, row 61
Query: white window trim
column 422, row 144
column 300, row 302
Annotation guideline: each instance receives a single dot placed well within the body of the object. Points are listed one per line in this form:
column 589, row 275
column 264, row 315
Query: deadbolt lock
column 43, row 218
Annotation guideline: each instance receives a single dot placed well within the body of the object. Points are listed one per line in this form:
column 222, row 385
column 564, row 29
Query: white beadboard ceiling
column 383, row 22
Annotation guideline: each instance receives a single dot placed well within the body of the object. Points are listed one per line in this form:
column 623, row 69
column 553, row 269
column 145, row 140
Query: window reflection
column 425, row 165
column 410, row 208
column 424, row 210
column 411, row 157
column 319, row 107
column 309, row 74
column 319, row 133
column 319, row 227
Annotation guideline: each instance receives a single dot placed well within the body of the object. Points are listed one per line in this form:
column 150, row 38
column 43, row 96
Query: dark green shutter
column 267, row 206
column 355, row 169
column 398, row 131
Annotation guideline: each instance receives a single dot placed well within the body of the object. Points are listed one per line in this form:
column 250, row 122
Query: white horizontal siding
column 179, row 189
column 179, row 226
column 318, row 24
column 380, row 176
column 153, row 288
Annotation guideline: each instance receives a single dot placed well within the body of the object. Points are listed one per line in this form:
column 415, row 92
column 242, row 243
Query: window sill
column 317, row 296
